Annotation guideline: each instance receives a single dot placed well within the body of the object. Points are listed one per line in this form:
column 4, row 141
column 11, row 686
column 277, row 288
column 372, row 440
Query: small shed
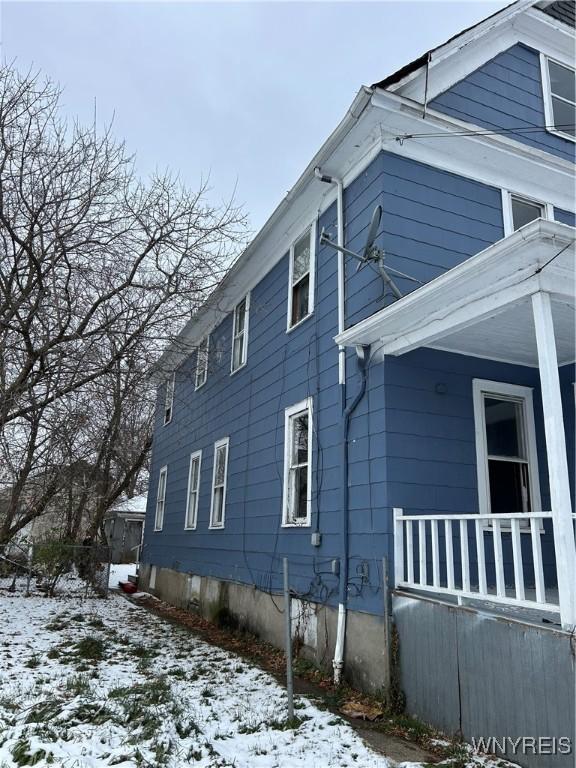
column 124, row 528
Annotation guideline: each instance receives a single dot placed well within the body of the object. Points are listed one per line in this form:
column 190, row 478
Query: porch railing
column 489, row 557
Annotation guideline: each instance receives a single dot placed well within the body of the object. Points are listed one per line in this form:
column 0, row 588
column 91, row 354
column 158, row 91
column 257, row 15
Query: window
column 169, row 400
column 559, row 86
column 193, row 490
column 297, row 464
column 240, row 334
column 506, row 448
column 519, row 211
column 202, row 362
column 524, row 211
column 160, row 500
column 301, row 293
column 219, row 474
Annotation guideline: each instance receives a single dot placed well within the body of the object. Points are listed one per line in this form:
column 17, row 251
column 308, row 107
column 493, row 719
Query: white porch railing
column 432, row 553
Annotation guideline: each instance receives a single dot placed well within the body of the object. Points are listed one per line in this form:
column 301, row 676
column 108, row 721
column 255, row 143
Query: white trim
column 244, row 360
column 289, row 414
column 481, row 387
column 204, row 373
column 224, row 441
column 547, row 94
column 193, row 457
column 558, row 473
column 152, row 579
column 311, row 232
column 452, row 62
column 169, row 398
column 161, row 501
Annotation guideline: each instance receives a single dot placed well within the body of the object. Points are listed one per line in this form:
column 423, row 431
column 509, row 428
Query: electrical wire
column 494, row 132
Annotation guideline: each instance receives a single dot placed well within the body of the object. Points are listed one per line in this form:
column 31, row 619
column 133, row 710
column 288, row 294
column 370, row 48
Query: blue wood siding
column 506, row 94
column 565, row 217
column 408, row 446
column 432, row 220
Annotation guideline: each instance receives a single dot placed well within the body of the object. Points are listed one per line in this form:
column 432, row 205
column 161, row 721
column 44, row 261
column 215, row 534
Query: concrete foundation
column 313, row 626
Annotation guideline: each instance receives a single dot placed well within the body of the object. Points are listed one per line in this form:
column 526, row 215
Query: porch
column 514, row 303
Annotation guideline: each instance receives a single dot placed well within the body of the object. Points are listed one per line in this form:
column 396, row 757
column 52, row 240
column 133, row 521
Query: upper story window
column 240, row 334
column 160, row 499
column 169, row 399
column 559, row 83
column 219, row 480
column 202, row 362
column 519, row 211
column 298, row 464
column 301, row 288
column 524, row 211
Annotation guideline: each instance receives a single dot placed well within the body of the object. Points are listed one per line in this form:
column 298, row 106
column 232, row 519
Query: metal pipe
column 341, row 269
column 288, row 627
column 362, row 354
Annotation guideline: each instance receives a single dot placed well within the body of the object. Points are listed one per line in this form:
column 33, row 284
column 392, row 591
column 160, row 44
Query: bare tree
column 97, row 270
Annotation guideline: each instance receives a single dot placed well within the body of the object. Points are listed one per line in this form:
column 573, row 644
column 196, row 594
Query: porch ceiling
column 482, row 307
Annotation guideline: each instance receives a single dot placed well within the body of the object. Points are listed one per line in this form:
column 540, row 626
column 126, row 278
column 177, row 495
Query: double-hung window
column 301, row 288
column 202, row 362
column 169, row 399
column 193, row 490
column 506, row 448
column 219, row 480
column 240, row 334
column 298, row 464
column 559, row 85
column 160, row 499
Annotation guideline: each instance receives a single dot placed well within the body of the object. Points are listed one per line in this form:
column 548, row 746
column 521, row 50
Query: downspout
column 341, row 277
column 362, row 354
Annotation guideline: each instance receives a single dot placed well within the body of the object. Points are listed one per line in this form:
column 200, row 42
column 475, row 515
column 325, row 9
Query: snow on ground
column 120, row 572
column 88, row 683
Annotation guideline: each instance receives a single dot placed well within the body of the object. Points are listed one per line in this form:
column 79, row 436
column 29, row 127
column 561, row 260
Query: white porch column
column 564, row 545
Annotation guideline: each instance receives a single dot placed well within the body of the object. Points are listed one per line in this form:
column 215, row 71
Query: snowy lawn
column 92, row 683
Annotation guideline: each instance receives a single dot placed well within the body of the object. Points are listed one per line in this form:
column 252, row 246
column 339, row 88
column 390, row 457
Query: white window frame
column 161, row 501
column 169, row 398
column 311, row 231
column 289, row 414
column 190, row 526
column 483, row 387
column 547, row 94
column 508, row 219
column 225, row 441
column 244, row 333
column 202, row 373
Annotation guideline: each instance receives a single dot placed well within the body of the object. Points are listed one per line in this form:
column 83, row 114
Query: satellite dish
column 372, row 231
column 371, row 254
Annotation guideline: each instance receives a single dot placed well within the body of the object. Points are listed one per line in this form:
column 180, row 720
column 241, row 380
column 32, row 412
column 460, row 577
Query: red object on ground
column 128, row 587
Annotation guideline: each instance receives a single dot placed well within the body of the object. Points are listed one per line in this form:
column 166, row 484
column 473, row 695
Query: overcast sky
column 246, row 92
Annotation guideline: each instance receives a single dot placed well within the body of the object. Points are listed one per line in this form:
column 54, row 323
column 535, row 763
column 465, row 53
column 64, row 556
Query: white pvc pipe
column 338, row 661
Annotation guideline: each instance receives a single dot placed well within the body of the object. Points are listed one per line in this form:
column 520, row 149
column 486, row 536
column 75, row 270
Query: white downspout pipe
column 338, row 661
column 341, row 275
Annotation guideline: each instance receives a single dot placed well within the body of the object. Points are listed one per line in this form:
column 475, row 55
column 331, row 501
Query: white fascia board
column 495, row 160
column 530, row 27
column 510, row 264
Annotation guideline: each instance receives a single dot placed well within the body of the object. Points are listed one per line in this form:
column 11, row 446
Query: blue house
column 382, row 391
